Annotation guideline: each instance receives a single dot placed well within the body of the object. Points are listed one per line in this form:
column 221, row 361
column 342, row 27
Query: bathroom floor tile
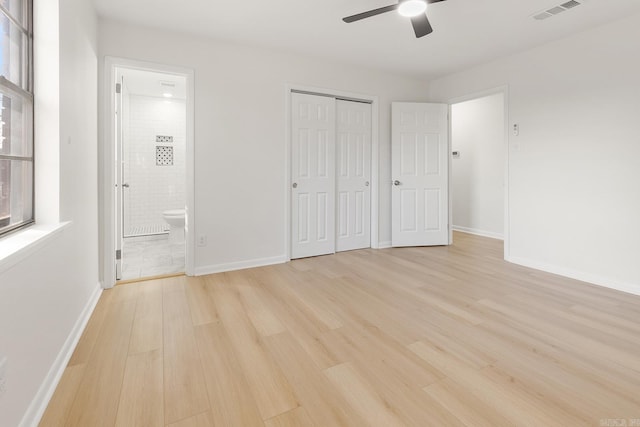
column 153, row 257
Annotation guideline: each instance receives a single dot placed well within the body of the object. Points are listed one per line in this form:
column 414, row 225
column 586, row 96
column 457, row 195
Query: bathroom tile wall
column 152, row 188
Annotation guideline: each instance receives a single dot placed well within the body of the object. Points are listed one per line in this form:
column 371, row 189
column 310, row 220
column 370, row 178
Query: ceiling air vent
column 570, row 4
column 541, row 16
column 556, row 10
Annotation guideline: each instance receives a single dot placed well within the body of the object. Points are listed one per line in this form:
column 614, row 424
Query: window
column 16, row 114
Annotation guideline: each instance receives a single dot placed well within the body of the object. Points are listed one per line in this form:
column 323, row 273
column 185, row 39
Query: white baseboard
column 384, row 245
column 240, row 265
column 477, row 232
column 48, row 387
column 605, row 282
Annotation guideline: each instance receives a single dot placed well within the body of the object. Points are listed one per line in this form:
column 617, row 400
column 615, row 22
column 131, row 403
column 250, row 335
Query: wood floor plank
column 201, row 420
column 185, row 391
column 361, row 396
column 147, row 324
column 438, row 336
column 466, row 351
column 522, row 343
column 203, row 310
column 98, row 394
column 272, row 392
column 142, row 399
column 559, row 389
column 399, row 391
column 370, row 347
column 503, row 399
column 230, row 396
column 58, row 409
column 567, row 336
column 300, row 321
column 607, row 319
column 321, row 308
column 581, row 324
column 312, row 388
column 265, row 322
column 83, row 350
column 470, row 410
column 295, row 418
column 278, row 280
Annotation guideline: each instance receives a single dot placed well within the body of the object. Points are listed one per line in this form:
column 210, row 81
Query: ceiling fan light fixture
column 411, row 8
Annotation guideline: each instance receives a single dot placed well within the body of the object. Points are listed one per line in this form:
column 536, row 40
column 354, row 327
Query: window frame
column 25, row 92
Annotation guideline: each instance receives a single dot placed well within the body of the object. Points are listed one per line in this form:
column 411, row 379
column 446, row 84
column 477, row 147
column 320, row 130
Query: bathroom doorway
column 151, row 159
column 148, row 163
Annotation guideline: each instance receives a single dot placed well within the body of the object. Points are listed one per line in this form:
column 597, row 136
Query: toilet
column 175, row 219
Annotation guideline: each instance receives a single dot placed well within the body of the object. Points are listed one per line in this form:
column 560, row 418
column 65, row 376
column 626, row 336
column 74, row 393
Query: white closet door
column 313, row 175
column 420, row 174
column 353, row 164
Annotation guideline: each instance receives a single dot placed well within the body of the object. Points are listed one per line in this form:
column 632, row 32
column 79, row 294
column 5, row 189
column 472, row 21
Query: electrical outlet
column 202, row 240
column 3, row 376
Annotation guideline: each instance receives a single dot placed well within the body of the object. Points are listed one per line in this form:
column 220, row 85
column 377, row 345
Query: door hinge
column 118, row 88
column 118, row 254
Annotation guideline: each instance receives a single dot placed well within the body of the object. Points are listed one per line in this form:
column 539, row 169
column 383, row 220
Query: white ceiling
column 467, row 32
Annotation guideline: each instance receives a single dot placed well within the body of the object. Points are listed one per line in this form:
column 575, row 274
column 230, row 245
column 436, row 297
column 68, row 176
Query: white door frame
column 108, row 179
column 375, row 156
column 470, row 97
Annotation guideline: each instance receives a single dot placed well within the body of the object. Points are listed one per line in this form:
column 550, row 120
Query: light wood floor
column 449, row 336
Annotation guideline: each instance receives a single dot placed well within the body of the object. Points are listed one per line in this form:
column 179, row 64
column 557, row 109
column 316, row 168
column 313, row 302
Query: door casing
column 481, row 94
column 107, row 171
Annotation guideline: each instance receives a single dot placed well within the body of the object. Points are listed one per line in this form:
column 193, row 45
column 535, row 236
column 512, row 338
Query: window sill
column 17, row 246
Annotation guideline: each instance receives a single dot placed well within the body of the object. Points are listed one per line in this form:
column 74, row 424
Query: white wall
column 573, row 182
column 43, row 296
column 240, row 131
column 152, row 188
column 478, row 134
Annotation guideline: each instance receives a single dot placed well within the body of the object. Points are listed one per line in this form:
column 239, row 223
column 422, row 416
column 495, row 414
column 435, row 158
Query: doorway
column 150, row 162
column 332, row 169
column 147, row 171
column 479, row 151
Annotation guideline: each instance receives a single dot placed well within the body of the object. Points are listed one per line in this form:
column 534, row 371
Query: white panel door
column 353, row 167
column 420, row 174
column 313, row 179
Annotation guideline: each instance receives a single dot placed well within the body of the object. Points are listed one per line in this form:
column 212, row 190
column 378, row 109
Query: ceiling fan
column 414, row 9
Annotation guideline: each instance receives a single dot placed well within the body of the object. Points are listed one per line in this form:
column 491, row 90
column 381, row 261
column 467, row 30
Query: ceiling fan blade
column 371, row 13
column 421, row 25
column 434, row 1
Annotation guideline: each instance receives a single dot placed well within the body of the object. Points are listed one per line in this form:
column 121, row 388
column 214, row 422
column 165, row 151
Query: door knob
column 396, row 182
column 125, row 185
column 295, row 185
column 366, row 184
